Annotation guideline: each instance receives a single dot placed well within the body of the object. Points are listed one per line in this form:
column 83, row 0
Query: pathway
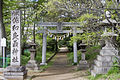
column 60, row 70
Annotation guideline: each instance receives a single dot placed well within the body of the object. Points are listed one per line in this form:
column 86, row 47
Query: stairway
column 104, row 61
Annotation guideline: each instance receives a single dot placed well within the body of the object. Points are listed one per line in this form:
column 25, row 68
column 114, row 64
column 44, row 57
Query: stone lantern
column 104, row 60
column 32, row 65
column 83, row 63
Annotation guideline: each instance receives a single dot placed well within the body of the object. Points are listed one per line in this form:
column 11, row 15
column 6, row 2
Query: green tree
column 2, row 27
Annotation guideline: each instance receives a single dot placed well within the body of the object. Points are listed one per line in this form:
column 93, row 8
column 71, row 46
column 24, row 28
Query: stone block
column 101, row 70
column 15, row 68
column 82, row 65
column 32, row 65
column 93, row 73
column 104, row 58
column 108, row 52
column 14, row 77
column 103, row 64
column 15, row 73
column 82, row 62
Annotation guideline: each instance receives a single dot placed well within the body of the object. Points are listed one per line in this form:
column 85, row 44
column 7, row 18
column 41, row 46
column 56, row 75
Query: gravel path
column 60, row 70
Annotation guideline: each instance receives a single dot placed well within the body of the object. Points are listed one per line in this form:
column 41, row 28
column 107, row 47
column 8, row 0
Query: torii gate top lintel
column 63, row 24
column 59, row 26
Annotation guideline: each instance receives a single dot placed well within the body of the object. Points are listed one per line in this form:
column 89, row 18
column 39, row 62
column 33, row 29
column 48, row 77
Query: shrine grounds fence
column 7, row 62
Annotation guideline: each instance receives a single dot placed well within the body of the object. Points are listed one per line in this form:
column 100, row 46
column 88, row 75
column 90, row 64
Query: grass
column 113, row 76
column 46, row 66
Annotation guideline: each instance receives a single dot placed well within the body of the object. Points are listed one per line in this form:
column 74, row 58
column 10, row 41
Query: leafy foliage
column 71, row 56
column 92, row 52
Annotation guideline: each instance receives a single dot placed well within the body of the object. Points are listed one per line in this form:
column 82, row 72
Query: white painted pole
column 75, row 46
column 3, row 57
column 3, row 44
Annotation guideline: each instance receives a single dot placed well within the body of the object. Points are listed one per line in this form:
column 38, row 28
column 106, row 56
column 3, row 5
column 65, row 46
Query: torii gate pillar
column 75, row 46
column 44, row 47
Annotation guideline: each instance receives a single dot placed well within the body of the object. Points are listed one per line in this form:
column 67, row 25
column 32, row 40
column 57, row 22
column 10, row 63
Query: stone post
column 32, row 65
column 15, row 71
column 83, row 56
column 44, row 47
column 75, row 46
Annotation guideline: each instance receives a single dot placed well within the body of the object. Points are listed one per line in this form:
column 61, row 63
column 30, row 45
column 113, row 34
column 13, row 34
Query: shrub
column 92, row 52
column 25, row 58
column 71, row 56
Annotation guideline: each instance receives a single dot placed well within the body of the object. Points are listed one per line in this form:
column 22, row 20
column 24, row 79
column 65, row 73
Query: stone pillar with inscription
column 75, row 46
column 15, row 71
column 44, row 48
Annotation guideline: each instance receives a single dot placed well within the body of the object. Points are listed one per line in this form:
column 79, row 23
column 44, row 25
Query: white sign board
column 3, row 42
column 15, row 37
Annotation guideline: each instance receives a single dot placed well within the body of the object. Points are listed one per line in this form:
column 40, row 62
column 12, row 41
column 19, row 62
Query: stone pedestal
column 42, row 64
column 82, row 63
column 15, row 73
column 105, row 60
column 32, row 65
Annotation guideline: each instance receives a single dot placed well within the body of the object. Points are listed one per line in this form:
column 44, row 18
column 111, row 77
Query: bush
column 25, row 58
column 51, row 44
column 71, row 56
column 38, row 57
column 92, row 52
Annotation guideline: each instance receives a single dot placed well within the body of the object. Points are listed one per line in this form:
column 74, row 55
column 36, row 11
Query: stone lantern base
column 82, row 65
column 32, row 65
column 105, row 60
column 15, row 73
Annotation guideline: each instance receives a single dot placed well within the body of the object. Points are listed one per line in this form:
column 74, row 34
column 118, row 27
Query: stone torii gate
column 58, row 26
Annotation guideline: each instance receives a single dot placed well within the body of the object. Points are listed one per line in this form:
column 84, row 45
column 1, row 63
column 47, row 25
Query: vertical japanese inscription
column 15, row 37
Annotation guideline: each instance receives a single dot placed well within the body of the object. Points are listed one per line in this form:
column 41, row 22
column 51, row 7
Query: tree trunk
column 2, row 28
column 1, row 23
